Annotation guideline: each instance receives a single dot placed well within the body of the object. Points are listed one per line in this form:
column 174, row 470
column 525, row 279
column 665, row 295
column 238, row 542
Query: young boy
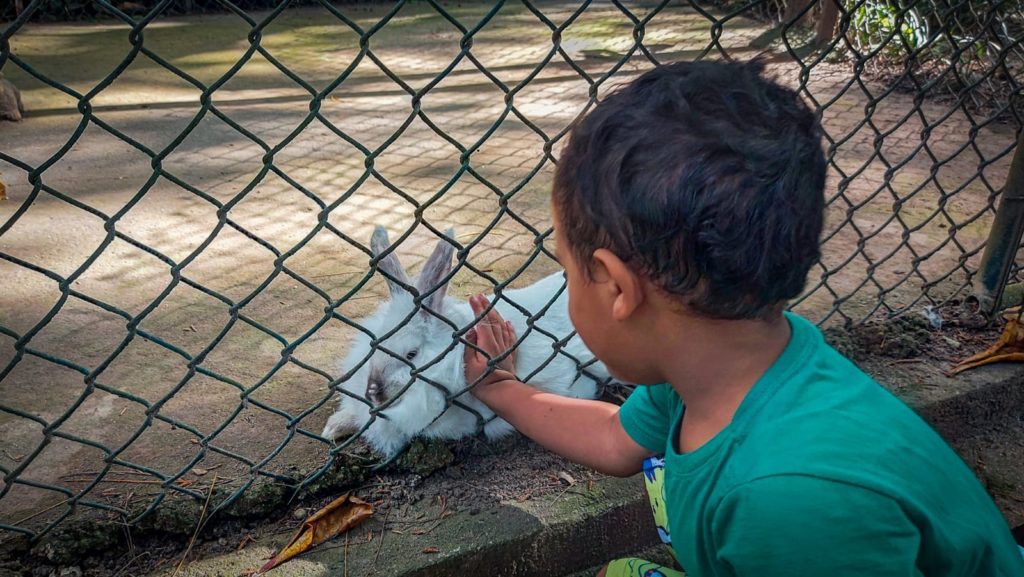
column 688, row 208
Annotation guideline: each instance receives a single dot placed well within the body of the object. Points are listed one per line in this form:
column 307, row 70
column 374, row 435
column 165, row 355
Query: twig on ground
column 40, row 512
column 199, row 527
column 383, row 531
column 130, row 563
column 114, row 472
column 15, row 458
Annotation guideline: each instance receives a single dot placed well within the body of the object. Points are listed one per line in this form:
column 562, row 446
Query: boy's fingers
column 476, row 304
column 485, row 337
column 494, row 316
column 481, row 304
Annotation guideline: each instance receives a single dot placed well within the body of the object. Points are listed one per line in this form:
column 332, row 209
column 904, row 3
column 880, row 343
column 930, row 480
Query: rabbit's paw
column 340, row 424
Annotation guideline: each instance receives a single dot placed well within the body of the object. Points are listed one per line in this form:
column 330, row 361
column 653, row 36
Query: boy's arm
column 588, row 432
column 802, row 525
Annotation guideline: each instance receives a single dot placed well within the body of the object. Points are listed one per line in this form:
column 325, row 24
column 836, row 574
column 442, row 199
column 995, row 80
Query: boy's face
column 590, row 309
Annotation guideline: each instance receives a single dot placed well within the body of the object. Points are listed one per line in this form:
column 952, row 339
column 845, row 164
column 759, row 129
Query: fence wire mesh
column 184, row 250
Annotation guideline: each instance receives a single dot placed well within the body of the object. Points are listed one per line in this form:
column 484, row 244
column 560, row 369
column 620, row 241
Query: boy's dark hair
column 707, row 178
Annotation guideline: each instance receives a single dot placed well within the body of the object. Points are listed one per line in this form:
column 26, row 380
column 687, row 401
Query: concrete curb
column 575, row 532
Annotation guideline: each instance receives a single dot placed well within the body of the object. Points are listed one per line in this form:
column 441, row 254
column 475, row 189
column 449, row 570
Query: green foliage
column 884, row 29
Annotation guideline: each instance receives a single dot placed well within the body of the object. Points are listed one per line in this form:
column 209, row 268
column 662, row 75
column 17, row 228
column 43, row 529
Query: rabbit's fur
column 418, row 410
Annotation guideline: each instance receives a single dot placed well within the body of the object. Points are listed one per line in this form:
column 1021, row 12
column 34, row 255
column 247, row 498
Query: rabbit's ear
column 436, row 268
column 378, row 244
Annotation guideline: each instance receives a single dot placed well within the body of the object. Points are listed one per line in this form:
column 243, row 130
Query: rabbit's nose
column 375, row 392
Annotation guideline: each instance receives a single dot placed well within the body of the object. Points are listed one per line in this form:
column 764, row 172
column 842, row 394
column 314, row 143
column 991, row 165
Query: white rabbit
column 422, row 409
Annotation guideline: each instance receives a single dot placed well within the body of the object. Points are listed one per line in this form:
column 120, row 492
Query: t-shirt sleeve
column 798, row 525
column 647, row 415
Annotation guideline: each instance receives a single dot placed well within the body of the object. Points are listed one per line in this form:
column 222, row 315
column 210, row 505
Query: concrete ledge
column 554, row 535
column 576, row 531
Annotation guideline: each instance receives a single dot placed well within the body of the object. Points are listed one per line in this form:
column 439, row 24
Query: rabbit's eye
column 411, row 354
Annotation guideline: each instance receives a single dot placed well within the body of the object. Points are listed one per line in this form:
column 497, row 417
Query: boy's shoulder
column 833, row 422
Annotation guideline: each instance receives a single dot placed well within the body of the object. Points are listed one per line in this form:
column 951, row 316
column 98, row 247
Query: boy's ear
column 622, row 286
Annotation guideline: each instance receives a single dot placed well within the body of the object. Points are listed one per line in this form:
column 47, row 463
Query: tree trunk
column 795, row 7
column 826, row 29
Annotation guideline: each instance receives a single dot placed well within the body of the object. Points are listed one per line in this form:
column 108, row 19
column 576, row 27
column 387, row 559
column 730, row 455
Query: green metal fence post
column 1004, row 237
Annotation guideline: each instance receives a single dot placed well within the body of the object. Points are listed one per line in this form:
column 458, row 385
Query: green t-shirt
column 821, row 472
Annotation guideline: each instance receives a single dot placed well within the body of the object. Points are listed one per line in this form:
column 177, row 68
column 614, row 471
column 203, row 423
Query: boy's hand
column 495, row 336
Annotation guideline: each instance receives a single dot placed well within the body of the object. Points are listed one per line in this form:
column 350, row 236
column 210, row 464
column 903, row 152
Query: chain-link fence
column 185, row 244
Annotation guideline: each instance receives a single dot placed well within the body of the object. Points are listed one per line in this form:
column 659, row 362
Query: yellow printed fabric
column 654, row 481
column 631, row 567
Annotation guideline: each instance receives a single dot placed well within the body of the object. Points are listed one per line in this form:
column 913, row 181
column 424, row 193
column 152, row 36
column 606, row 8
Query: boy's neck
column 712, row 365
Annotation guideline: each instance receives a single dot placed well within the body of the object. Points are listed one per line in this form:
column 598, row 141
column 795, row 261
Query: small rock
column 299, row 514
column 222, row 541
column 933, row 316
column 474, row 511
column 41, row 571
column 48, row 551
column 951, row 342
column 70, row 572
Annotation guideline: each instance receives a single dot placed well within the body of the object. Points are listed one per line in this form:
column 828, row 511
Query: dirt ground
column 175, row 406
column 908, row 356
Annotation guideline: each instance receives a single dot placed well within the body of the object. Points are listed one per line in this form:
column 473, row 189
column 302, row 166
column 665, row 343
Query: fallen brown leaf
column 431, row 550
column 339, row 516
column 1009, row 347
column 184, row 482
column 3, row 191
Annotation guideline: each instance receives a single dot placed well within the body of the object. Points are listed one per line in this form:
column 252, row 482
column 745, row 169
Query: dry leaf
column 1009, row 347
column 339, row 516
column 199, row 472
column 567, row 478
column 184, row 482
column 431, row 550
column 3, row 191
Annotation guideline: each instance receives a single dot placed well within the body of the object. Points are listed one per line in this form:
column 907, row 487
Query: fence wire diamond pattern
column 184, row 253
